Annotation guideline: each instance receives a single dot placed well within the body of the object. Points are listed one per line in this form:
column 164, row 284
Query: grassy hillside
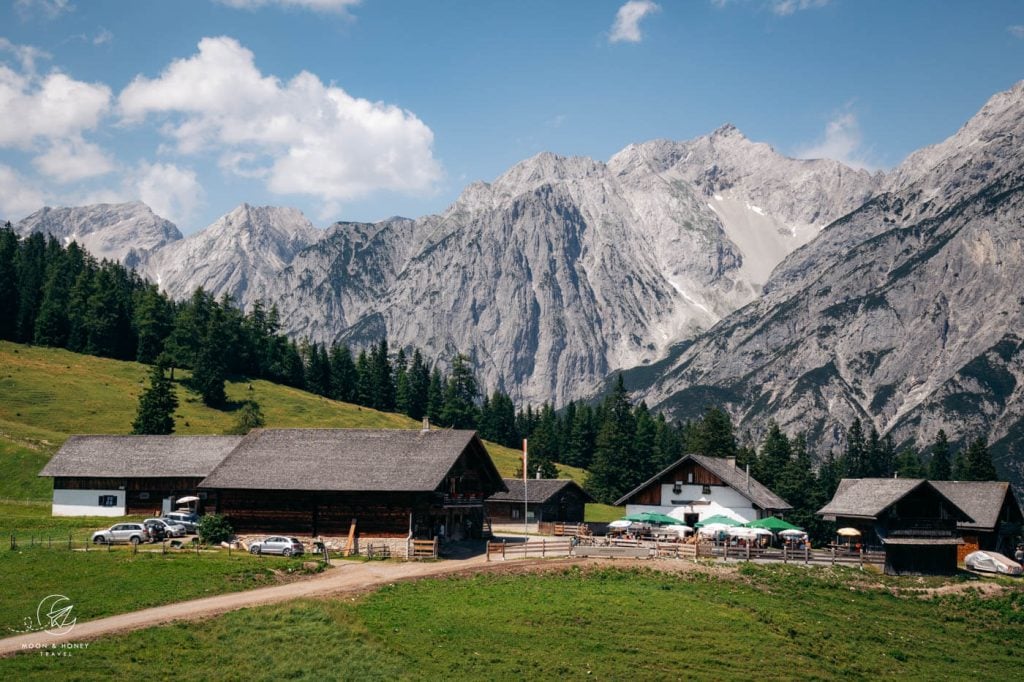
column 48, row 394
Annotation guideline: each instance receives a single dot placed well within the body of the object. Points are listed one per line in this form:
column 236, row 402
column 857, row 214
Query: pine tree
column 152, row 322
column 157, row 403
column 775, row 455
column 939, row 468
column 419, row 385
column 8, row 283
column 854, row 464
column 435, row 397
column 383, row 378
column 459, row 410
column 401, row 383
column 209, row 371
column 614, row 470
column 543, row 446
column 365, row 388
column 645, row 442
column 30, row 268
column 343, row 374
column 249, row 417
column 978, row 462
column 713, row 435
column 909, row 465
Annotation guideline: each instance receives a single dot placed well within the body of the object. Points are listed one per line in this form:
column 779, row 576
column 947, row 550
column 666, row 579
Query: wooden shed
column 391, row 483
column 995, row 512
column 550, row 499
column 910, row 518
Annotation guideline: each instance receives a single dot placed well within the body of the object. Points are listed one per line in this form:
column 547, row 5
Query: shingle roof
column 540, row 490
column 734, row 477
column 139, row 456
column 982, row 500
column 868, row 497
column 378, row 460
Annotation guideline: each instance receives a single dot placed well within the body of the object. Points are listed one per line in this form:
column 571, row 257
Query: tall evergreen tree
column 344, row 378
column 419, row 385
column 157, row 403
column 383, row 377
column 939, row 468
column 401, row 382
column 614, row 470
column 543, row 446
column 9, row 295
column 909, row 465
column 210, row 371
column 977, row 462
column 435, row 397
column 152, row 322
column 775, row 455
column 30, row 267
column 249, row 417
column 854, row 463
column 459, row 409
column 365, row 387
column 713, row 435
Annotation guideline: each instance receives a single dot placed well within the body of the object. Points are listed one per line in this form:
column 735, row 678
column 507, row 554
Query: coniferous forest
column 60, row 296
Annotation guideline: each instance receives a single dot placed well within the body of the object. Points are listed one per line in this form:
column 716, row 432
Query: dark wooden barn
column 910, row 519
column 119, row 475
column 391, row 483
column 995, row 512
column 550, row 499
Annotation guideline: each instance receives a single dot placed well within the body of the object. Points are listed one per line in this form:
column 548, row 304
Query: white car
column 992, row 562
column 121, row 532
column 277, row 544
column 173, row 530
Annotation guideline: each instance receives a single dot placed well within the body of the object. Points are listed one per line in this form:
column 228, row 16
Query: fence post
column 807, row 552
column 542, row 548
column 14, row 543
column 748, row 551
column 862, row 558
column 725, row 555
column 503, row 542
column 69, row 542
column 488, row 550
column 785, row 558
column 833, row 556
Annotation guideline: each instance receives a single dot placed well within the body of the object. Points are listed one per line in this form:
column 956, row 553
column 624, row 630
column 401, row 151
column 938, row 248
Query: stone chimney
column 426, row 425
column 731, row 461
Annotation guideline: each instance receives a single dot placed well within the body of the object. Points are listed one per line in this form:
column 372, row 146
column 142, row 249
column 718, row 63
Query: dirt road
column 344, row 577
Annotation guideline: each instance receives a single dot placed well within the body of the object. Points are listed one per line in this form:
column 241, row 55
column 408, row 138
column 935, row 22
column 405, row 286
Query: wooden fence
column 524, row 550
column 423, row 549
column 559, row 529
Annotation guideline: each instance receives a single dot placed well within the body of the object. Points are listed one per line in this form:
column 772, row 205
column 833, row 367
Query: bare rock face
column 240, row 254
column 906, row 313
column 123, row 232
column 564, row 269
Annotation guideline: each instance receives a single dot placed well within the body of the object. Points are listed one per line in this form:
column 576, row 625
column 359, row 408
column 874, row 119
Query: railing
column 463, row 500
column 560, row 529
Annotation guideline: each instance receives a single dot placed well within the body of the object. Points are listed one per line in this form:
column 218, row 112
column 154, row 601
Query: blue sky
column 359, row 110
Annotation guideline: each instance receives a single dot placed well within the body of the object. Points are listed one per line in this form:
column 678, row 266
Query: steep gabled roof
column 540, row 490
column 139, row 456
column 367, row 460
column 982, row 500
column 866, row 498
column 735, row 478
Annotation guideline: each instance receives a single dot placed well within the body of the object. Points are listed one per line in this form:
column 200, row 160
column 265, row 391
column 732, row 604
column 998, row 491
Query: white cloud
column 1016, row 31
column 51, row 9
column 627, row 21
column 17, row 197
column 842, row 142
column 303, row 136
column 171, row 191
column 26, row 54
column 338, row 6
column 53, row 106
column 784, row 8
column 73, row 159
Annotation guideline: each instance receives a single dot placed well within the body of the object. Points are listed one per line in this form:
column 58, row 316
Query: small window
column 706, row 490
column 689, row 477
column 515, row 513
column 108, row 501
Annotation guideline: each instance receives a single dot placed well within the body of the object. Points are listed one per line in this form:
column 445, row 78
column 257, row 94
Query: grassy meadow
column 104, row 582
column 772, row 623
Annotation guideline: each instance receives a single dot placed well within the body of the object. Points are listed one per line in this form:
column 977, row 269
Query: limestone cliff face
column 906, row 313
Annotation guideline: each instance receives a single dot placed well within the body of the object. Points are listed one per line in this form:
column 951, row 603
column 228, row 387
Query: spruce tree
column 459, row 410
column 366, row 389
column 419, row 385
column 854, row 464
column 435, row 397
column 249, row 417
column 978, row 462
column 714, row 435
column 775, row 454
column 939, row 468
column 909, row 465
column 157, row 403
column 614, row 470
column 343, row 374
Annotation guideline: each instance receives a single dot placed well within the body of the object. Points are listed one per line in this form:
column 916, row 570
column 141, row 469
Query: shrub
column 214, row 529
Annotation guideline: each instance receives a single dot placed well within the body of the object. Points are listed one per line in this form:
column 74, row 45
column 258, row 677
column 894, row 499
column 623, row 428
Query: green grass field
column 773, row 623
column 103, row 582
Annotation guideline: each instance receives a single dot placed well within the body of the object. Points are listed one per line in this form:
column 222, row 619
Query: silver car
column 133, row 533
column 277, row 544
column 171, row 529
column 187, row 519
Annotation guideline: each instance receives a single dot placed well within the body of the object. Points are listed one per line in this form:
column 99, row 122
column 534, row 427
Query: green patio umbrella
column 653, row 517
column 718, row 518
column 773, row 524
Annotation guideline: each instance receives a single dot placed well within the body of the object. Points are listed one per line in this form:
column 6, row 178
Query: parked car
column 992, row 562
column 171, row 529
column 277, row 544
column 121, row 532
column 188, row 519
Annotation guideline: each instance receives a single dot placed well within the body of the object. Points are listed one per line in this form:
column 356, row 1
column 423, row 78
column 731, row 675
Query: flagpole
column 526, row 497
